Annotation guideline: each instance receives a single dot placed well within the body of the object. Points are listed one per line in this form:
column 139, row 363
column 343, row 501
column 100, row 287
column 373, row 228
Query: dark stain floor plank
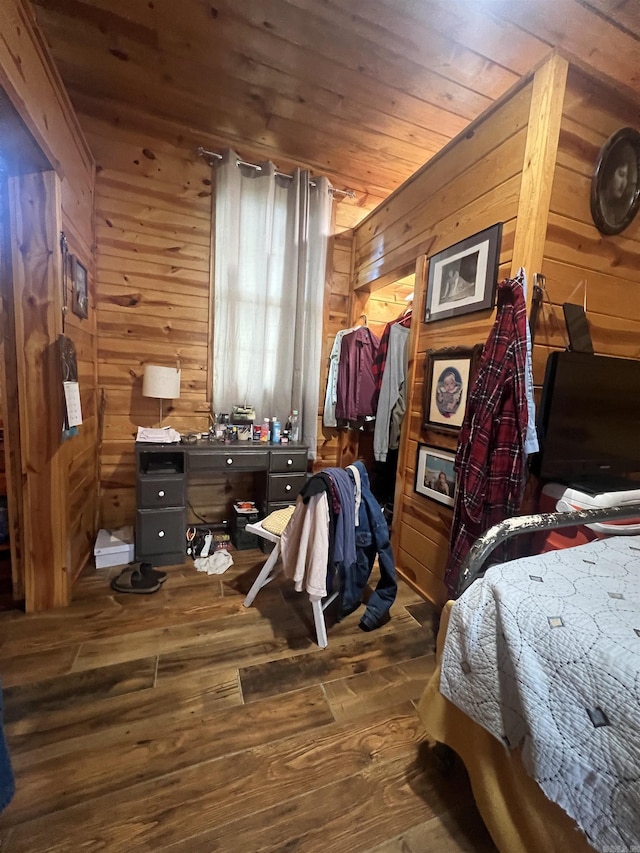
column 337, row 661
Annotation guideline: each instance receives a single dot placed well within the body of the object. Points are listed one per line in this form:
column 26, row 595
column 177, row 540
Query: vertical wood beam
column 9, row 396
column 545, row 116
column 36, row 261
column 402, row 473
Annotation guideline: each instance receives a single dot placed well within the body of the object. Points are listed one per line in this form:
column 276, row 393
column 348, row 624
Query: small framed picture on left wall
column 435, row 474
column 79, row 289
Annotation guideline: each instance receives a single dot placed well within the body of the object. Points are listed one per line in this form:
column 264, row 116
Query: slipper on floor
column 147, row 571
column 132, row 580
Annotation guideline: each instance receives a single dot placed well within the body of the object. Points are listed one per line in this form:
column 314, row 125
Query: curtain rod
column 204, row 152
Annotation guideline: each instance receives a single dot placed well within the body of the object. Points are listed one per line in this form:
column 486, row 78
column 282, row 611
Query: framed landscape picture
column 463, row 278
column 449, row 373
column 435, row 476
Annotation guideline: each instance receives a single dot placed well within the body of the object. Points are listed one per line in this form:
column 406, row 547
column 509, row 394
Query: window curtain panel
column 270, row 251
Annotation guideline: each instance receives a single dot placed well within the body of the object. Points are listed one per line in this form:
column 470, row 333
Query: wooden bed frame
column 514, row 808
column 516, row 812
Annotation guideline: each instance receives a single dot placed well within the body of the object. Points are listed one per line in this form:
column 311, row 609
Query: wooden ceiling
column 364, row 91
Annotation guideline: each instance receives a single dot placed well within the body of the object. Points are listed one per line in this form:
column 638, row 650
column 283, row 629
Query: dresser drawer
column 160, row 531
column 160, row 491
column 285, row 487
column 228, row 461
column 291, row 460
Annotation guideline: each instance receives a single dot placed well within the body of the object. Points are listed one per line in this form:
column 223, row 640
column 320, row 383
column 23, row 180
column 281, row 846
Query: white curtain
column 270, row 249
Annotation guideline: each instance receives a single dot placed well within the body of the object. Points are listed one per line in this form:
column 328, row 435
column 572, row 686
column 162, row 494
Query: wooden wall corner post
column 545, row 116
column 35, row 232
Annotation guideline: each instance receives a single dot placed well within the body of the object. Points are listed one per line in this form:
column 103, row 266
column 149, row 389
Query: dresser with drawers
column 162, row 478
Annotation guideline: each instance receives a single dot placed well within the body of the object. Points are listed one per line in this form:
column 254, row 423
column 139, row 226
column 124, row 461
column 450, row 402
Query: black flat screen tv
column 589, row 422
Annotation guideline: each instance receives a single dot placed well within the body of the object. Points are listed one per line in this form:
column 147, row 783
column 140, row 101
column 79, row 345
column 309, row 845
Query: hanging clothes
column 312, row 558
column 304, row 544
column 393, row 380
column 531, row 444
column 380, row 359
column 356, row 386
column 331, row 396
column 372, row 540
column 490, row 460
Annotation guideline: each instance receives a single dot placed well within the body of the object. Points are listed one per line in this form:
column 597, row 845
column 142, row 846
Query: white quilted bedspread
column 544, row 652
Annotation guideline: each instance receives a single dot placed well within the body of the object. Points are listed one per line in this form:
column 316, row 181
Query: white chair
column 271, row 569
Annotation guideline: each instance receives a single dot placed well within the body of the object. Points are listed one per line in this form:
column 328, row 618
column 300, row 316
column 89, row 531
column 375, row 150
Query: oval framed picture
column 615, row 185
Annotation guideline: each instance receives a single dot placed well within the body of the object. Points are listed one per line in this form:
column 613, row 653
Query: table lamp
column 161, row 382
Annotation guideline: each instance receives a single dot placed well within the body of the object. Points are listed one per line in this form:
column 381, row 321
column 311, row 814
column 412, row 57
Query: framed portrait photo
column 615, row 185
column 463, row 278
column 435, row 476
column 448, row 376
column 79, row 289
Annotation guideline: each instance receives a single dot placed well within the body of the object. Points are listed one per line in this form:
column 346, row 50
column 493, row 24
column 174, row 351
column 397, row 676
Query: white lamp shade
column 163, row 382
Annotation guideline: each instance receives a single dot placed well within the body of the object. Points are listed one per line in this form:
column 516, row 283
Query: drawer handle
column 289, row 461
column 160, row 533
column 287, row 488
column 161, row 493
column 229, row 461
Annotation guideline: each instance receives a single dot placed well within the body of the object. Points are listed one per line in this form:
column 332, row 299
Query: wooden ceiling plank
column 295, row 95
column 472, row 26
column 400, row 152
column 318, row 81
column 300, row 77
column 624, row 14
column 571, row 25
column 262, row 21
column 117, row 113
column 117, row 22
column 138, row 13
column 382, row 32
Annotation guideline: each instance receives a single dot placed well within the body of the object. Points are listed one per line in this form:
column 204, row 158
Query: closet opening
column 386, row 306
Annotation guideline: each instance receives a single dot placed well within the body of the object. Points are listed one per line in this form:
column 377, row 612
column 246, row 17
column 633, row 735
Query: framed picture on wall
column 449, row 373
column 435, row 477
column 79, row 289
column 615, row 185
column 463, row 278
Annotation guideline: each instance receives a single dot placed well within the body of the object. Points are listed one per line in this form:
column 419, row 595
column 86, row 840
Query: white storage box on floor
column 114, row 547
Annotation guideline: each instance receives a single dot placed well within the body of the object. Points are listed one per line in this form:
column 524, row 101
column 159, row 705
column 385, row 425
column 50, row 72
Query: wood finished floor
column 182, row 721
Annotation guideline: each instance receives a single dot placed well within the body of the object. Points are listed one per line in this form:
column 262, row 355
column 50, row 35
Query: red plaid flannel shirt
column 490, row 460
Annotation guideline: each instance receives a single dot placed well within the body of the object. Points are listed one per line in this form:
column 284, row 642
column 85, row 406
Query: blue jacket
column 372, row 539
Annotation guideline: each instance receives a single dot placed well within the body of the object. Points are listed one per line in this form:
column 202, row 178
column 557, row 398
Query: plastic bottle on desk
column 265, row 431
column 294, row 429
column 275, row 431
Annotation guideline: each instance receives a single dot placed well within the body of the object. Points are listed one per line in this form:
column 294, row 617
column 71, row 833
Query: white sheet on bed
column 545, row 652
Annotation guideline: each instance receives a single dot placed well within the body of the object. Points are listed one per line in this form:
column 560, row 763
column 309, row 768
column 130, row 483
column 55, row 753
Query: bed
column 537, row 689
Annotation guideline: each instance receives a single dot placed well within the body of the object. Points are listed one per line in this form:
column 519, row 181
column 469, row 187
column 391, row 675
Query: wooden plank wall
column 474, row 183
column 33, row 85
column 153, row 226
column 577, row 258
